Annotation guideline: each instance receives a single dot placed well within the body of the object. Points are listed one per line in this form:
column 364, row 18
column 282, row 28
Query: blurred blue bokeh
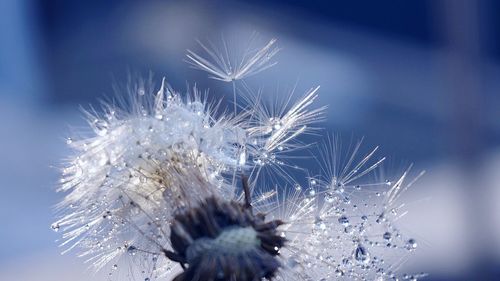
column 419, row 78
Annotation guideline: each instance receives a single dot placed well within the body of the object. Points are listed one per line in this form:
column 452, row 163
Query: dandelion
column 154, row 185
column 125, row 183
column 230, row 67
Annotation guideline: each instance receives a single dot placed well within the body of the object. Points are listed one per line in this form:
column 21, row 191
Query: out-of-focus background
column 420, row 78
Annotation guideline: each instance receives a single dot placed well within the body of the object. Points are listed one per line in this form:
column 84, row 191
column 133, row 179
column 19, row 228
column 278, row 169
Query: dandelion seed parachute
column 139, row 167
column 275, row 130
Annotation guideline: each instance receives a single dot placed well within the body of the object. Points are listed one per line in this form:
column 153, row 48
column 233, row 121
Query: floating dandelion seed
column 224, row 65
column 155, row 184
column 227, row 67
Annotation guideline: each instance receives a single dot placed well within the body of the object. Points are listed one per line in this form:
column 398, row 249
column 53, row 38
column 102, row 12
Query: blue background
column 419, row 78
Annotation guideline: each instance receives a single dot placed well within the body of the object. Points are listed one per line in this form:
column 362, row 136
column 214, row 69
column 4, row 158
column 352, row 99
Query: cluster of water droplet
column 344, row 228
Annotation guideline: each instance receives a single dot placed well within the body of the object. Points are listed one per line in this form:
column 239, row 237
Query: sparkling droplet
column 329, row 197
column 242, row 159
column 349, row 229
column 361, row 254
column 100, row 127
column 411, row 244
column 387, row 236
column 55, row 227
column 320, row 224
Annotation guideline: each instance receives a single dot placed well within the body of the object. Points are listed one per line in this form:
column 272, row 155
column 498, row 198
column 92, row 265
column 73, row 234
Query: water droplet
column 55, row 227
column 276, row 123
column 387, row 236
column 411, row 244
column 330, row 259
column 100, row 127
column 361, row 254
column 344, row 220
column 349, row 229
column 292, row 262
column 346, row 262
column 132, row 250
column 319, row 224
column 107, row 215
column 381, row 218
column 310, row 192
column 329, row 197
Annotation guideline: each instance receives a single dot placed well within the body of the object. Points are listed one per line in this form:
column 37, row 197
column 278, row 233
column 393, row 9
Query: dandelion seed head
column 154, row 183
column 138, row 167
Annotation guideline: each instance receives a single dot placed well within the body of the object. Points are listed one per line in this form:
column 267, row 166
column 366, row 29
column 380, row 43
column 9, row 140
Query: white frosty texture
column 138, row 167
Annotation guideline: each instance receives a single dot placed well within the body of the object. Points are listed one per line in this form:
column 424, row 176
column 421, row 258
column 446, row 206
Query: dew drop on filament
column 55, row 227
column 361, row 254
